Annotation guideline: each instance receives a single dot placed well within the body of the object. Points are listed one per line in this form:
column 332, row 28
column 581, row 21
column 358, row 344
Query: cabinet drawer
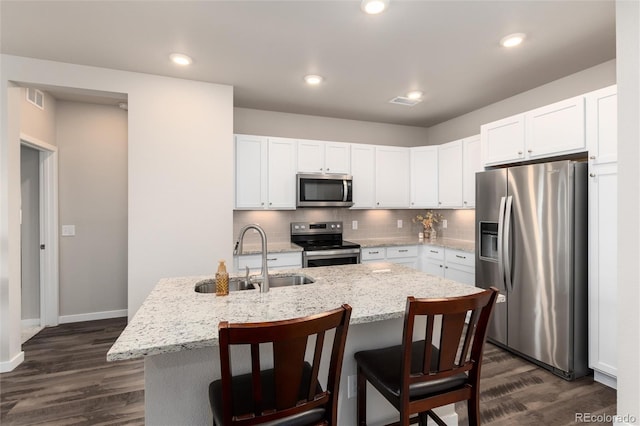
column 274, row 260
column 403, row 251
column 434, row 252
column 460, row 257
column 373, row 253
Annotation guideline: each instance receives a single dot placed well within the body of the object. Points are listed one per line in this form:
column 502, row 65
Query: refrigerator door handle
column 506, row 240
column 500, row 241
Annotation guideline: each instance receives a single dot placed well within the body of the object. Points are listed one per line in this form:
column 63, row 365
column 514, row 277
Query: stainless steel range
column 323, row 245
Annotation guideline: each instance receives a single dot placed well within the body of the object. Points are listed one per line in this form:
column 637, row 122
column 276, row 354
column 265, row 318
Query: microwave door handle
column 345, row 190
column 500, row 242
column 507, row 241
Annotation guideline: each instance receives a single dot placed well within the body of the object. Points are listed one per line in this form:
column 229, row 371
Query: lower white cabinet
column 275, row 261
column 403, row 255
column 456, row 265
column 603, row 272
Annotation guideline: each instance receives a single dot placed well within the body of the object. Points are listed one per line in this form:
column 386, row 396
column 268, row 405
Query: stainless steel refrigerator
column 531, row 230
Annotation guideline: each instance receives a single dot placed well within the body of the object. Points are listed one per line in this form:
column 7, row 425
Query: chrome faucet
column 264, row 286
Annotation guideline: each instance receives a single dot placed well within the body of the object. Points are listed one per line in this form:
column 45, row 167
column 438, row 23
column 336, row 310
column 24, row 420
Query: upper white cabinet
column 602, row 127
column 363, row 160
column 424, row 176
column 471, row 164
column 555, row 129
column 323, row 157
column 392, row 177
column 450, row 174
column 265, row 173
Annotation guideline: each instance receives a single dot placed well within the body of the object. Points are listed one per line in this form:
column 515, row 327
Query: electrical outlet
column 444, row 223
column 352, row 388
column 399, row 223
column 354, row 224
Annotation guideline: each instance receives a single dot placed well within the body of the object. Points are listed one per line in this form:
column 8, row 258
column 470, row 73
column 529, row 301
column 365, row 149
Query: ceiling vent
column 401, row 100
column 36, row 97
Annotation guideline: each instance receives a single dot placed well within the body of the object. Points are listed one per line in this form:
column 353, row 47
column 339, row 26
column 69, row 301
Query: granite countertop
column 175, row 318
column 464, row 245
column 275, row 247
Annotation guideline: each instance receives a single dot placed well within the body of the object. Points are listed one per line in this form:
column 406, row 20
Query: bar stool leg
column 362, row 398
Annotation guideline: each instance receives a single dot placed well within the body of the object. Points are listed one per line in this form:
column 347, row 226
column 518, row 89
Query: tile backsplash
column 371, row 223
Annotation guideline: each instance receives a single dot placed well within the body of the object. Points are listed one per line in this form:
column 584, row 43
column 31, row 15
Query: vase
column 432, row 235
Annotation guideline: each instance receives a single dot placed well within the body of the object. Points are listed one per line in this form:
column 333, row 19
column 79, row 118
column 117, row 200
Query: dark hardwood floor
column 65, row 380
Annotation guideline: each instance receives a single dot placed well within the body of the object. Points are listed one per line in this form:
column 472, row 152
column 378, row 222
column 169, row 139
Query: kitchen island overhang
column 176, row 330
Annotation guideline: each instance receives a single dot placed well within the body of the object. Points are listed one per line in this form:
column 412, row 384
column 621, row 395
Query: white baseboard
column 32, row 322
column 6, row 366
column 92, row 316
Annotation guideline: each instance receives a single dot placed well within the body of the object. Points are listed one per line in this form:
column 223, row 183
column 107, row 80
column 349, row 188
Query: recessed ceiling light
column 180, row 59
column 373, row 7
column 313, row 79
column 416, row 94
column 512, row 40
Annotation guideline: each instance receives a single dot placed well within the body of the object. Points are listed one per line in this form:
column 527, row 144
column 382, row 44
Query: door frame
column 49, row 257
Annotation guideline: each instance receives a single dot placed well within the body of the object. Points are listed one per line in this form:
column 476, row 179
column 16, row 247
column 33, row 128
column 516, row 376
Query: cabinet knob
column 464, row 202
column 593, row 157
column 377, row 204
column 270, row 204
column 320, row 168
column 519, row 152
column 440, row 266
column 262, row 204
column 439, row 202
column 529, row 151
column 446, row 267
column 412, row 204
column 592, row 174
column 328, row 169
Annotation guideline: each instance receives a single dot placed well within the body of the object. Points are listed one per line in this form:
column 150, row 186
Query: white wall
column 30, row 232
column 180, row 171
column 92, row 179
column 38, row 123
column 593, row 78
column 271, row 123
column 628, row 55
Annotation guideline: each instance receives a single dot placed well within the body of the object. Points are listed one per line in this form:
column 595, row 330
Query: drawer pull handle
column 403, row 251
column 461, row 257
column 273, row 258
column 374, row 252
column 434, row 251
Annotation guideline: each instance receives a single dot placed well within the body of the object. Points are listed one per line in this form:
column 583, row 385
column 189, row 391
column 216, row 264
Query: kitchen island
column 176, row 331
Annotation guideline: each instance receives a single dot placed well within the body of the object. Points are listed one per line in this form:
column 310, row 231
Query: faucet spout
column 264, row 287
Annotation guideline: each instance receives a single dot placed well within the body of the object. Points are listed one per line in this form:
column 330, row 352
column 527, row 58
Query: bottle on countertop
column 222, row 280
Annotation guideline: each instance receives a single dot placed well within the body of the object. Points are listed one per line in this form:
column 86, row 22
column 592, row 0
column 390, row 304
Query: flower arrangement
column 428, row 220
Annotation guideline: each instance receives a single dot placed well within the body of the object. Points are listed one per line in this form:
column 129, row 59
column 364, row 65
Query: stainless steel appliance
column 323, row 245
column 317, row 190
column 531, row 230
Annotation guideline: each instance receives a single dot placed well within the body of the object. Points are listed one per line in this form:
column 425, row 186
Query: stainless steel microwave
column 317, row 190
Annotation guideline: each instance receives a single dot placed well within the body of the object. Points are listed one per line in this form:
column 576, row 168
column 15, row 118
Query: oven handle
column 345, row 191
column 323, row 254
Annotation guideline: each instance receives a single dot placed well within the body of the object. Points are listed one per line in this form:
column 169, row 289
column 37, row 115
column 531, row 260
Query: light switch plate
column 399, row 223
column 68, row 230
column 352, row 388
column 354, row 224
column 444, row 223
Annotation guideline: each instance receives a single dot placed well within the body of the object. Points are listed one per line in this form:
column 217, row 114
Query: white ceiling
column 448, row 49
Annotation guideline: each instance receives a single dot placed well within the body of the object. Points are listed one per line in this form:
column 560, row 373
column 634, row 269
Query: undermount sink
column 240, row 283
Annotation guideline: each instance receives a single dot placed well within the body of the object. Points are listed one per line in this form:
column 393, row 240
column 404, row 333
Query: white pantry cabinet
column 450, row 174
column 556, row 129
column 323, row 157
column 602, row 125
column 392, row 177
column 471, row 164
column 265, row 173
column 363, row 159
column 424, row 176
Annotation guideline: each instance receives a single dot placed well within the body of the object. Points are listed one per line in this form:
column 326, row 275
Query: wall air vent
column 401, row 100
column 36, row 97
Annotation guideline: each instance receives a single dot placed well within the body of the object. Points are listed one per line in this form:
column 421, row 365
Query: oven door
column 315, row 258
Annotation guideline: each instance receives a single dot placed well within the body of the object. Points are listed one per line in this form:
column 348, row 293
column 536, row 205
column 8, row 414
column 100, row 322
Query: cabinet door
column 251, row 172
column 424, row 176
column 556, row 129
column 450, row 174
column 282, row 173
column 603, row 269
column 392, row 177
column 433, row 267
column 602, row 126
column 453, row 273
column 337, row 158
column 503, row 141
column 363, row 172
column 310, row 156
column 471, row 164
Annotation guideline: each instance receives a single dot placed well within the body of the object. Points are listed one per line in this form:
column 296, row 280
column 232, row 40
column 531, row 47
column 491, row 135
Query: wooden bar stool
column 289, row 393
column 416, row 377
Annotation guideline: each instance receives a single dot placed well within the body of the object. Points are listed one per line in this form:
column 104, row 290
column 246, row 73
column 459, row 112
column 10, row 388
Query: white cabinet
column 556, row 129
column 602, row 126
column 275, row 261
column 603, row 272
column 456, row 265
column 450, row 174
column 432, row 260
column 471, row 164
column 373, row 254
column 363, row 159
column 323, row 157
column 402, row 255
column 424, row 176
column 392, row 177
column 265, row 173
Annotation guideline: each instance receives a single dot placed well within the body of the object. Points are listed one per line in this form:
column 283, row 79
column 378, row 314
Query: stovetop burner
column 320, row 236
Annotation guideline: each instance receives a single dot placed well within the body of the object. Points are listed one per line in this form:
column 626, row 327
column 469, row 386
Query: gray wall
column 30, row 232
column 38, row 123
column 573, row 85
column 271, row 123
column 92, row 141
